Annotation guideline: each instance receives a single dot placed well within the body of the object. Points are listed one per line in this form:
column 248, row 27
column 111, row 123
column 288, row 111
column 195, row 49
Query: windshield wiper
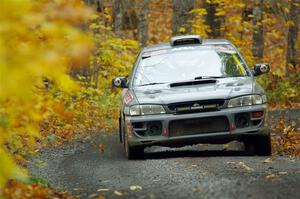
column 209, row 77
column 153, row 83
column 216, row 77
column 238, row 76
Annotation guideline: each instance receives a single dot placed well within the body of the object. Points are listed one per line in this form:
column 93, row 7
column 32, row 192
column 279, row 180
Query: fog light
column 257, row 114
column 242, row 120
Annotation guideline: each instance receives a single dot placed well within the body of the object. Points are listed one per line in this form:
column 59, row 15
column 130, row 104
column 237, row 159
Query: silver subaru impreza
column 189, row 91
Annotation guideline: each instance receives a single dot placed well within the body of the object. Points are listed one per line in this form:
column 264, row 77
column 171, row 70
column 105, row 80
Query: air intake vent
column 191, row 83
column 186, row 40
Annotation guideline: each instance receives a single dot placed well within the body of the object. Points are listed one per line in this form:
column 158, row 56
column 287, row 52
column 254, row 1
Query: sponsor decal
column 154, row 53
column 197, row 106
column 208, row 106
column 128, row 98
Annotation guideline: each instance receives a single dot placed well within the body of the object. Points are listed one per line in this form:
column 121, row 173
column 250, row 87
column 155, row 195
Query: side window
column 232, row 64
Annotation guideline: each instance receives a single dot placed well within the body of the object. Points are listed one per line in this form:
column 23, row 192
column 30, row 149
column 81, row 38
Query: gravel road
column 199, row 171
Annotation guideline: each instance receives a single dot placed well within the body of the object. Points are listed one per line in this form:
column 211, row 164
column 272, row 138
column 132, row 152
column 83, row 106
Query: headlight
column 146, row 110
column 264, row 99
column 247, row 100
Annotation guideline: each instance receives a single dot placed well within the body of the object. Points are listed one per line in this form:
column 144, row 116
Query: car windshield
column 189, row 63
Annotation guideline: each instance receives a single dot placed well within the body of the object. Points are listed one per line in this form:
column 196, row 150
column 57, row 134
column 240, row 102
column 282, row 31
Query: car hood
column 223, row 89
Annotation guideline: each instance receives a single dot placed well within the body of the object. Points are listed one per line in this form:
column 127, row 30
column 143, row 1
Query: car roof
column 166, row 45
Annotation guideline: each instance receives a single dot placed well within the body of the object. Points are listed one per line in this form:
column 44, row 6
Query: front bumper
column 165, row 139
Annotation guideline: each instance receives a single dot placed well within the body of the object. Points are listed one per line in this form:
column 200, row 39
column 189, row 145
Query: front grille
column 196, row 106
column 198, row 126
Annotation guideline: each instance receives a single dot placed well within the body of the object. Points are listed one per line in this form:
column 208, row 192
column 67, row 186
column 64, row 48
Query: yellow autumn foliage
column 235, row 28
column 114, row 56
column 198, row 23
column 38, row 39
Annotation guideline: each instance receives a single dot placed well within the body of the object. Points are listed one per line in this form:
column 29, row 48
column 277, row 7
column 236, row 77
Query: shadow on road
column 193, row 153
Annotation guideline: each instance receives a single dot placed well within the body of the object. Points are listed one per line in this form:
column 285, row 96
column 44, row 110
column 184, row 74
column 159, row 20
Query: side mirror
column 260, row 69
column 120, row 82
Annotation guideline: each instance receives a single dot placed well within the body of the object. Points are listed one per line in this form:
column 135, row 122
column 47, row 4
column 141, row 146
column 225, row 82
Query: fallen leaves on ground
column 102, row 190
column 18, row 190
column 118, row 193
column 271, row 176
column 241, row 165
column 282, row 173
column 101, row 148
column 135, row 187
column 268, row 160
column 93, row 195
column 286, row 139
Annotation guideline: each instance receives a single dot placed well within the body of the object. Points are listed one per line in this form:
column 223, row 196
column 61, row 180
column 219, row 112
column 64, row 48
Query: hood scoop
column 191, row 83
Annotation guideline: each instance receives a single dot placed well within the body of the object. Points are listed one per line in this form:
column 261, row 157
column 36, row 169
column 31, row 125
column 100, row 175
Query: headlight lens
column 146, row 110
column 246, row 101
column 135, row 110
column 257, row 99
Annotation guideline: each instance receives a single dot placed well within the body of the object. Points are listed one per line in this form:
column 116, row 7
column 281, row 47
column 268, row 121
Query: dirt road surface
column 199, row 171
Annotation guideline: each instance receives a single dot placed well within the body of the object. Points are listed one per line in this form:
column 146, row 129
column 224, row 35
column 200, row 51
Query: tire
column 133, row 152
column 263, row 146
column 120, row 130
column 259, row 145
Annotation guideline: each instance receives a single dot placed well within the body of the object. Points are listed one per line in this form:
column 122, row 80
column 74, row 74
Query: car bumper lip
column 233, row 134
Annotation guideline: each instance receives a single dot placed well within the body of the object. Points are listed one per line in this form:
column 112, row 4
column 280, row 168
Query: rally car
column 189, row 91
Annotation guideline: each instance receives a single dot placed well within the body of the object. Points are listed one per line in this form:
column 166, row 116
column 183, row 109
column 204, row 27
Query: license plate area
column 198, row 126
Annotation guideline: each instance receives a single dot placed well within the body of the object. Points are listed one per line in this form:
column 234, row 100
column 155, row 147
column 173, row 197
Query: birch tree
column 258, row 30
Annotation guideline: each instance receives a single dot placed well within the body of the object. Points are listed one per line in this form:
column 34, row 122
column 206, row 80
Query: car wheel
column 259, row 145
column 120, row 130
column 132, row 152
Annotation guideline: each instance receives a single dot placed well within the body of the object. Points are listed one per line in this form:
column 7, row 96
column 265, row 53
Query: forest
column 58, row 58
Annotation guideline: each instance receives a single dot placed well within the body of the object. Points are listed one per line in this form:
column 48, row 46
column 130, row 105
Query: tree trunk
column 100, row 6
column 258, row 30
column 127, row 15
column 96, row 65
column 117, row 17
column 291, row 59
column 142, row 26
column 95, row 70
column 213, row 21
column 181, row 15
